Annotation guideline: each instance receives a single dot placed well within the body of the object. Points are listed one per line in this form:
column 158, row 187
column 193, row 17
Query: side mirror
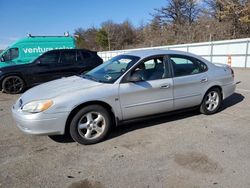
column 1, row 59
column 135, row 78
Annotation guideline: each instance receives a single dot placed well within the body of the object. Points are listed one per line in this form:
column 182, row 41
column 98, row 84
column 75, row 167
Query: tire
column 212, row 102
column 13, row 85
column 90, row 125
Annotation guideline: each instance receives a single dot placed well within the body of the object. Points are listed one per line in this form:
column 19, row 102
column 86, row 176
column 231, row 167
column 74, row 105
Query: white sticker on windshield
column 124, row 60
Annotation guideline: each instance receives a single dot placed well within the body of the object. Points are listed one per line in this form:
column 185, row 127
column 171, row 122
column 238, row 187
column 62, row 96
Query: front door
column 152, row 95
column 46, row 67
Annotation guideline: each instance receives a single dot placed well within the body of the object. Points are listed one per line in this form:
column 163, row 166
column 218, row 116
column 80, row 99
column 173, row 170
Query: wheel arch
column 80, row 106
column 216, row 86
column 12, row 74
column 211, row 87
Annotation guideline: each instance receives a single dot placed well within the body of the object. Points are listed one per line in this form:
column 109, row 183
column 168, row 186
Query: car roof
column 66, row 50
column 152, row 52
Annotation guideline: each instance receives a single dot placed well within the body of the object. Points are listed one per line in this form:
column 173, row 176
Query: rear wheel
column 211, row 102
column 90, row 125
column 13, row 84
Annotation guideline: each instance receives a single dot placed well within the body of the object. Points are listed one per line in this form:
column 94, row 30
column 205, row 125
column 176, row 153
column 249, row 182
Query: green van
column 27, row 49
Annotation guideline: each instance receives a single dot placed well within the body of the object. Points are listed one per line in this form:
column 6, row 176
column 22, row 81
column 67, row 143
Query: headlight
column 37, row 106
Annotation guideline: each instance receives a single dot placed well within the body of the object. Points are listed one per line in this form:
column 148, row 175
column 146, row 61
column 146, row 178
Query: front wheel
column 211, row 102
column 90, row 125
column 13, row 85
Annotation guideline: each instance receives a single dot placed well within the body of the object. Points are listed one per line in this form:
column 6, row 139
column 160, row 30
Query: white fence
column 216, row 51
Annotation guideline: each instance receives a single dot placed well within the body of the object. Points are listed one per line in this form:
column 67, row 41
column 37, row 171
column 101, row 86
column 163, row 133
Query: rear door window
column 183, row 65
column 68, row 57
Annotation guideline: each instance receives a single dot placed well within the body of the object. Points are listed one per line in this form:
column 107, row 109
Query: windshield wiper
column 90, row 77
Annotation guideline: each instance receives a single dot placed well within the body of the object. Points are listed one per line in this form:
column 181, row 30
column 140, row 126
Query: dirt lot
column 183, row 150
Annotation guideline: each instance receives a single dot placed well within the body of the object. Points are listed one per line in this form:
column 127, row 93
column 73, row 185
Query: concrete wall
column 215, row 51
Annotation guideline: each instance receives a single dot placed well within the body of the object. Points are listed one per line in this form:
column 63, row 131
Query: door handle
column 166, row 86
column 203, row 80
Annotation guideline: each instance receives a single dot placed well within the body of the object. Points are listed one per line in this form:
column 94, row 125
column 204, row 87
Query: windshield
column 111, row 70
column 10, row 54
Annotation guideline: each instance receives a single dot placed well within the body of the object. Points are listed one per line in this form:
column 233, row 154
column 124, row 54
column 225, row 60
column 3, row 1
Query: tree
column 102, row 39
column 180, row 21
column 214, row 8
column 178, row 12
column 110, row 27
column 86, row 38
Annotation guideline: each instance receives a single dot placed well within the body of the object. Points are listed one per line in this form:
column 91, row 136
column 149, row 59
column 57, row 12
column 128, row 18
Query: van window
column 11, row 54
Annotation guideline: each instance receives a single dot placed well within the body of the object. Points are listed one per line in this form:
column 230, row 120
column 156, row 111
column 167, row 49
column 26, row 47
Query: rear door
column 85, row 61
column 68, row 63
column 189, row 79
column 152, row 95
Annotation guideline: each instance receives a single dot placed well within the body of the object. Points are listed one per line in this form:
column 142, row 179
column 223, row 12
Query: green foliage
column 102, row 39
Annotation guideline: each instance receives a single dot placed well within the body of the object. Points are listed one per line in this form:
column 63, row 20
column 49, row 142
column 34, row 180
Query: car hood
column 58, row 87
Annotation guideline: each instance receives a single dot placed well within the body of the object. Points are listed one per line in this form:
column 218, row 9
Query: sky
column 54, row 17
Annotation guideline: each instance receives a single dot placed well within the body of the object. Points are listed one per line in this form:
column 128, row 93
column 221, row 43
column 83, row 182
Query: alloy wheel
column 13, row 84
column 212, row 100
column 91, row 125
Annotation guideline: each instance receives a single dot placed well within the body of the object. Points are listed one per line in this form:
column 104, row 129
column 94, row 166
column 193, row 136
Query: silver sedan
column 129, row 86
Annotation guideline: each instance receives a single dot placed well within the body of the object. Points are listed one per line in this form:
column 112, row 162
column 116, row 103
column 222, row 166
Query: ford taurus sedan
column 129, row 86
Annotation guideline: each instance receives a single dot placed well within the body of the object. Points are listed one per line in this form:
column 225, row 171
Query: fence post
column 211, row 51
column 246, row 53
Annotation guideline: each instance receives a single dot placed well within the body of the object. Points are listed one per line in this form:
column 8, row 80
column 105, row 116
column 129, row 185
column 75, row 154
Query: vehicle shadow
column 152, row 121
column 156, row 120
column 62, row 138
column 165, row 118
column 232, row 100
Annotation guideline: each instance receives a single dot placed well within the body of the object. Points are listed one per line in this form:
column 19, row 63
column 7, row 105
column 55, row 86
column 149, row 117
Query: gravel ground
column 188, row 150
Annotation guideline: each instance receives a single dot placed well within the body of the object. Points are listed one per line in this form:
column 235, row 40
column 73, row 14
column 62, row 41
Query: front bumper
column 40, row 123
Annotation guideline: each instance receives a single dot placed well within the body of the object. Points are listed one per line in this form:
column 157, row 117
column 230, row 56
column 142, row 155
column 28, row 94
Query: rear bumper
column 228, row 89
column 40, row 123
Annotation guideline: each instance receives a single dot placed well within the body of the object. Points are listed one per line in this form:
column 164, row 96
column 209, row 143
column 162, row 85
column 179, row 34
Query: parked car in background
column 129, row 86
column 27, row 49
column 51, row 65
